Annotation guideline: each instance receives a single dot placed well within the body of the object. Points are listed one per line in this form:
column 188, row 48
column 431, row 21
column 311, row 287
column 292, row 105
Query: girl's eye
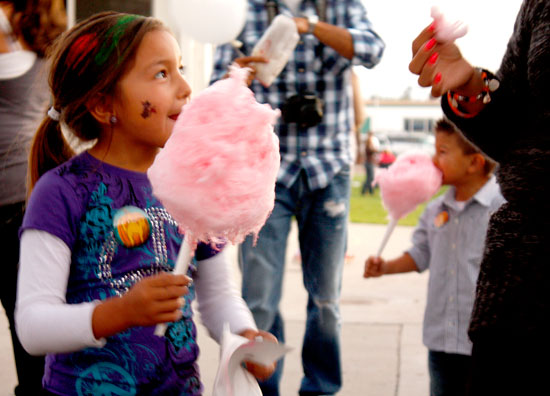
column 181, row 70
column 161, row 74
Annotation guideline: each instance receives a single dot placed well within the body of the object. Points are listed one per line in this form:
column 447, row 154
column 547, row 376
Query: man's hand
column 249, row 61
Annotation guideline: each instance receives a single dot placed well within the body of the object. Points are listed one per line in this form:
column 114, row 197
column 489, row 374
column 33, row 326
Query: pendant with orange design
column 441, row 219
column 132, row 226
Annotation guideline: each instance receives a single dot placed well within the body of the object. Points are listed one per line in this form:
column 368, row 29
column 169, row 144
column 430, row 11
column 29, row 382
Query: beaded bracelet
column 490, row 84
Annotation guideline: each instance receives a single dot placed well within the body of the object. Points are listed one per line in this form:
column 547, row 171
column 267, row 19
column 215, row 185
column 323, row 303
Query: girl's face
column 151, row 93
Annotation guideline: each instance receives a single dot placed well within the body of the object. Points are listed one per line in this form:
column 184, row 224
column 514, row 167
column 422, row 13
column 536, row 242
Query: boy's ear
column 478, row 162
column 101, row 108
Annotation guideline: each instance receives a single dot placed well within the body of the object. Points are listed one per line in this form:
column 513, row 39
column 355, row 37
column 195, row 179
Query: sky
column 398, row 22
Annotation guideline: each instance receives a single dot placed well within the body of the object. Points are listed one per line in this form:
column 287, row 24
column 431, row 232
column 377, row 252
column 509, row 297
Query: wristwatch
column 312, row 21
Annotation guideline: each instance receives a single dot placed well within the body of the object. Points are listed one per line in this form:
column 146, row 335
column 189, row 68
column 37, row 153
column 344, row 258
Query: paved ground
column 382, row 352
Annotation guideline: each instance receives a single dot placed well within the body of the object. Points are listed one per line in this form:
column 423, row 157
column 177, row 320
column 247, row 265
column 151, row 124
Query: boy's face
column 450, row 159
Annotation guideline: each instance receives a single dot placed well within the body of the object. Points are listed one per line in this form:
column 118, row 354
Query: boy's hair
column 86, row 64
column 38, row 22
column 445, row 126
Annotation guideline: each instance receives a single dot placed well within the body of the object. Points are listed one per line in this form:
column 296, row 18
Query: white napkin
column 232, row 379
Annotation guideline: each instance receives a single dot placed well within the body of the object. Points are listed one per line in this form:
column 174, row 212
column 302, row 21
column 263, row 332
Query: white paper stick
column 389, row 230
column 180, row 268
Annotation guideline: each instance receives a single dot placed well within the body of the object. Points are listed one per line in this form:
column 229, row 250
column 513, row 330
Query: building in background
column 399, row 115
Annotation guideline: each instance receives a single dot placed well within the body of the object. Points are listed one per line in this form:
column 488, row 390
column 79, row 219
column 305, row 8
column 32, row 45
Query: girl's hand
column 441, row 66
column 374, row 267
column 257, row 370
column 156, row 299
column 248, row 61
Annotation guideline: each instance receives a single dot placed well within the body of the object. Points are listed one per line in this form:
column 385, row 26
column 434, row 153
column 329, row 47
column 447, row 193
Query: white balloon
column 210, row 21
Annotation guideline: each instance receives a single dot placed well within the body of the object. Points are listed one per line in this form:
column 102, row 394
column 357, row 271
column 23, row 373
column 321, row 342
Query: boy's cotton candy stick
column 216, row 173
column 409, row 181
column 446, row 31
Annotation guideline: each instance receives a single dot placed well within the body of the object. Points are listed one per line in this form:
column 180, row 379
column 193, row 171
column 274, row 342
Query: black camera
column 304, row 109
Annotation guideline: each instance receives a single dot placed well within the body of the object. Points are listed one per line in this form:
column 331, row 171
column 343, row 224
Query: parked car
column 401, row 142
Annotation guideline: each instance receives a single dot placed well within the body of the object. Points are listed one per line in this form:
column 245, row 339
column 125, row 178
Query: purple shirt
column 76, row 202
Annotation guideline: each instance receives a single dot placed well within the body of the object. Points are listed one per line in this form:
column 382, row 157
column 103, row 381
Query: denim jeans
column 449, row 373
column 322, row 217
column 369, row 178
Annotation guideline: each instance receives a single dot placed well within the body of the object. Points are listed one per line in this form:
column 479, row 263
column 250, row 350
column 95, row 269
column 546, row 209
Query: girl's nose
column 184, row 90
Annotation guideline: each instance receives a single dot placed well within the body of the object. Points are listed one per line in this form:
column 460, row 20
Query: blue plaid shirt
column 322, row 151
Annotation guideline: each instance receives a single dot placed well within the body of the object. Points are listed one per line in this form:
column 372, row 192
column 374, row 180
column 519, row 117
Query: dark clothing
column 29, row 368
column 449, row 373
column 512, row 299
column 23, row 103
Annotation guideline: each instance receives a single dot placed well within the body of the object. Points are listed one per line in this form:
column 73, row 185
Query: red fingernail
column 430, row 44
column 437, row 78
column 431, row 28
column 433, row 58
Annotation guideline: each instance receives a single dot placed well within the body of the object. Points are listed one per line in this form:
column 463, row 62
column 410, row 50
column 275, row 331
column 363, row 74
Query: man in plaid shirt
column 314, row 179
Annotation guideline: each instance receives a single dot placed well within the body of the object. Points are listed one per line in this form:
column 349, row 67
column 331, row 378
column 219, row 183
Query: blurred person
column 27, row 28
column 315, row 96
column 372, row 147
column 507, row 115
column 449, row 241
column 386, row 159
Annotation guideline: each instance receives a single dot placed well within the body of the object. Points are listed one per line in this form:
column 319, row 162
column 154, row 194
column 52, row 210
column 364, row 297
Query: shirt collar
column 483, row 196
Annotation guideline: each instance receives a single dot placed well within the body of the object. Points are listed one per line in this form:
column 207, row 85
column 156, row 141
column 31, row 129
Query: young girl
column 96, row 245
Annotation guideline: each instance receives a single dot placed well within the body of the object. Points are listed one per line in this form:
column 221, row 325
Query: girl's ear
column 101, row 108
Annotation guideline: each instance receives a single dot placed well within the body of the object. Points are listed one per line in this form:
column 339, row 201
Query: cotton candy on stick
column 409, row 181
column 446, row 31
column 216, row 173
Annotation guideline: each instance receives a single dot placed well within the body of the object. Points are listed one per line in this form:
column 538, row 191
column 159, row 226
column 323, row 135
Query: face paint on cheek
column 147, row 109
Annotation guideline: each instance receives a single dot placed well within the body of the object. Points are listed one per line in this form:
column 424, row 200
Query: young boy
column 450, row 241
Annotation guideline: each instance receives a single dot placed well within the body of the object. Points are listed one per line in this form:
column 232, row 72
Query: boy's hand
column 156, row 299
column 374, row 267
column 257, row 370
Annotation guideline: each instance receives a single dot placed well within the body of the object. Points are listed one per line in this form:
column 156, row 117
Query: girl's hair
column 86, row 64
column 38, row 22
column 446, row 126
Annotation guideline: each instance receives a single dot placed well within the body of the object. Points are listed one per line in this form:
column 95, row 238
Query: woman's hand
column 441, row 66
column 257, row 370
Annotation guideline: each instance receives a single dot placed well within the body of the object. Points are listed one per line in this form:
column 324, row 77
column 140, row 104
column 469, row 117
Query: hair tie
column 54, row 114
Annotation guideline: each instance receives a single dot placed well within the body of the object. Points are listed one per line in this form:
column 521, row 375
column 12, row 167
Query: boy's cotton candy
column 216, row 174
column 409, row 181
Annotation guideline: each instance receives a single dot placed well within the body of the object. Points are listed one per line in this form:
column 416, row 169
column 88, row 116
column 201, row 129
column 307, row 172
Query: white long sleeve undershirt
column 45, row 323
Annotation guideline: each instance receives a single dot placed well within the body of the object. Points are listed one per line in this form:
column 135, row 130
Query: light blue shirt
column 453, row 250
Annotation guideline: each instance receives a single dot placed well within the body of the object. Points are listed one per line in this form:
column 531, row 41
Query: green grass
column 369, row 209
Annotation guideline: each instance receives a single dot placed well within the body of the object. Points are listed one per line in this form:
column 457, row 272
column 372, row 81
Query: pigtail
column 49, row 149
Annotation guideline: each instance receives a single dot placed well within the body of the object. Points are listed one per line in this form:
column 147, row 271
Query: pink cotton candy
column 446, row 31
column 409, row 181
column 216, row 174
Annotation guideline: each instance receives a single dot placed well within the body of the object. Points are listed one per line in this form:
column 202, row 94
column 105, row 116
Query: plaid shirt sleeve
column 368, row 47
